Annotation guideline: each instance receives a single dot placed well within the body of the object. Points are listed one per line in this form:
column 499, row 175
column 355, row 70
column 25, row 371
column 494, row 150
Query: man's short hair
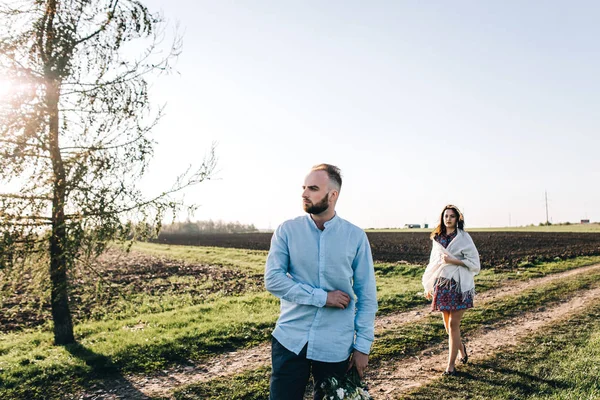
column 333, row 172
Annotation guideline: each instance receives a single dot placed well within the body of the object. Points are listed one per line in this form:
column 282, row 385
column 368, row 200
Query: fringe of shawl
column 446, row 283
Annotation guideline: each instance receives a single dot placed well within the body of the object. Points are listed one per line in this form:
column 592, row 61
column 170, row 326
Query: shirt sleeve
column 280, row 284
column 366, row 297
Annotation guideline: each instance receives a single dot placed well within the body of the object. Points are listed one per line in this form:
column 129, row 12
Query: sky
column 487, row 105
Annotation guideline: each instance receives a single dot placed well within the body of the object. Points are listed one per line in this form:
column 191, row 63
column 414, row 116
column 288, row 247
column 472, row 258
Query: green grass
column 560, row 363
column 249, row 385
column 131, row 285
column 406, row 340
column 410, row 339
column 29, row 362
column 399, row 285
column 152, row 341
column 130, row 305
column 249, row 261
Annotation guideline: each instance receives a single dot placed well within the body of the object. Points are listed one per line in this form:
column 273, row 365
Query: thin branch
column 30, row 224
column 24, row 197
column 32, row 155
column 102, row 27
column 98, row 148
column 132, row 207
column 25, row 217
column 15, row 142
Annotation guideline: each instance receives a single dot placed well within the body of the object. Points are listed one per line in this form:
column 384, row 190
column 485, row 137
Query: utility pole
column 547, row 221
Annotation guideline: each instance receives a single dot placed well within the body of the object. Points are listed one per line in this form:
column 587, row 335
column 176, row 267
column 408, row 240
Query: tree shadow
column 525, row 383
column 105, row 377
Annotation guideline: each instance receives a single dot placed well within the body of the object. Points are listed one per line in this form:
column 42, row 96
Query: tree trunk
column 59, row 251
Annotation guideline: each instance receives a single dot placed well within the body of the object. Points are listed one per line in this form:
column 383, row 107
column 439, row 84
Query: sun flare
column 5, row 89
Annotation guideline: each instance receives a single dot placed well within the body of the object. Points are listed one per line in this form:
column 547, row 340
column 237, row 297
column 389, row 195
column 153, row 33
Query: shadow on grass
column 188, row 349
column 104, row 376
column 514, row 380
column 488, row 381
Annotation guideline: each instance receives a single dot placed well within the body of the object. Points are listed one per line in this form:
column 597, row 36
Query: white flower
column 340, row 393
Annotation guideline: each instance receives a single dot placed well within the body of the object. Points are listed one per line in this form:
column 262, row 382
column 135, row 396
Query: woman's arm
column 448, row 259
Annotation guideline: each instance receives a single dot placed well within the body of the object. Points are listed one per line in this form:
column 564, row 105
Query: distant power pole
column 546, row 194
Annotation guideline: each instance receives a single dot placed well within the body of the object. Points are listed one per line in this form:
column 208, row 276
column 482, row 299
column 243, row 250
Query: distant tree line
column 205, row 227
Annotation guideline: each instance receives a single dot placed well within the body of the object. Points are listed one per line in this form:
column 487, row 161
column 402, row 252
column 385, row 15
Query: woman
column 448, row 278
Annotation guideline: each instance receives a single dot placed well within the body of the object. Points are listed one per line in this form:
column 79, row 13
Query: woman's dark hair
column 441, row 228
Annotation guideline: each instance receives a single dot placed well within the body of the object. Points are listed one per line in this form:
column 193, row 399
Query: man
column 321, row 268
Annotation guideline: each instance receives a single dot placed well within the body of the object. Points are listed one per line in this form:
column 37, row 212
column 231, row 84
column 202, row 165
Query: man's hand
column 337, row 299
column 360, row 361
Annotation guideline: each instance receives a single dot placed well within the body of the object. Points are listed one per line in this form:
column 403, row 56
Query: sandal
column 464, row 359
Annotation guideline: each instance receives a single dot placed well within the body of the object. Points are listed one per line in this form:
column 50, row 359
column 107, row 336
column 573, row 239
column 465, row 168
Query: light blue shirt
column 305, row 263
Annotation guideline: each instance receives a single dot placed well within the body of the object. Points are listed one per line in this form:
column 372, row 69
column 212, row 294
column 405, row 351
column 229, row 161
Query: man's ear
column 334, row 196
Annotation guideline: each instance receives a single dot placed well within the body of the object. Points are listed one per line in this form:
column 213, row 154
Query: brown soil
column 122, row 274
column 497, row 249
column 392, row 377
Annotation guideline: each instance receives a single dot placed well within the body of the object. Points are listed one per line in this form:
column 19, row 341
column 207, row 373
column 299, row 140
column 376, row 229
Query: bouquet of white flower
column 349, row 387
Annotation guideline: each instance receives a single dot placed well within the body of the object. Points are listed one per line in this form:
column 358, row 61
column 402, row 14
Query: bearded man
column 320, row 267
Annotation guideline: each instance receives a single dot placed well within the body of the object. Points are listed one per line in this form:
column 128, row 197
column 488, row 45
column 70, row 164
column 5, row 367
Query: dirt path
column 393, row 378
column 388, row 377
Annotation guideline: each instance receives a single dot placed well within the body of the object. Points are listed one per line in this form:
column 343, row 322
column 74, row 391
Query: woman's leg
column 446, row 315
column 454, row 339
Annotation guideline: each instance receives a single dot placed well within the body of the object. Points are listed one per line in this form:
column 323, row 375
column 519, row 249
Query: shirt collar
column 332, row 222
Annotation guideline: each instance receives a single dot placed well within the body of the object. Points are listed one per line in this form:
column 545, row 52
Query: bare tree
column 74, row 132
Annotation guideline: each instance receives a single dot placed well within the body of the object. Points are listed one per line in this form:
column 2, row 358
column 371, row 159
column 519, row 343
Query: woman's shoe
column 464, row 359
column 450, row 373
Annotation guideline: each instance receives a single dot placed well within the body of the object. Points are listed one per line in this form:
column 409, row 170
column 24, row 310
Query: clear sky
column 483, row 104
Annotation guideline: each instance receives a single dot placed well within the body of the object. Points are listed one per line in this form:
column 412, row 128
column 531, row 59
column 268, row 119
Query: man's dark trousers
column 291, row 372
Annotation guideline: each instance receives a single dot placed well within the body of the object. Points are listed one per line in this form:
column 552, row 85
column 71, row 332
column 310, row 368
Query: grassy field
column 157, row 329
column 250, row 261
column 561, row 363
column 407, row 340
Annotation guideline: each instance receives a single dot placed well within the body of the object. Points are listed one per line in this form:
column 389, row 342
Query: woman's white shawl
column 463, row 248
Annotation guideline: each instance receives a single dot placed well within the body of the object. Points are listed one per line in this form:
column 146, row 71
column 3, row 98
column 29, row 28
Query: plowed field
column 497, row 249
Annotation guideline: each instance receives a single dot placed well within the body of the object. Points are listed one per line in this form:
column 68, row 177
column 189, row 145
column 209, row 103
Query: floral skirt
column 447, row 297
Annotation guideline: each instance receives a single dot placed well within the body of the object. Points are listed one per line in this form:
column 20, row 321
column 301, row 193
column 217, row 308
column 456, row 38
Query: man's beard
column 318, row 208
